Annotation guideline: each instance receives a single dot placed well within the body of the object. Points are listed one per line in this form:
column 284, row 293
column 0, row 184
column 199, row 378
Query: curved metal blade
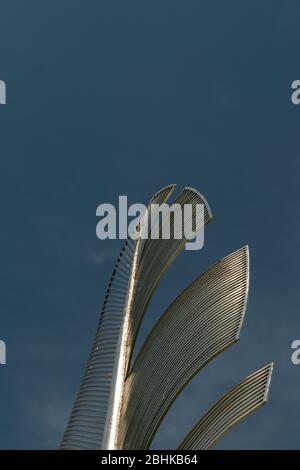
column 203, row 321
column 91, row 414
column 232, row 408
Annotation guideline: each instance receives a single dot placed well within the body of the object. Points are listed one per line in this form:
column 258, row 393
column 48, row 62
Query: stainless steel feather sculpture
column 122, row 402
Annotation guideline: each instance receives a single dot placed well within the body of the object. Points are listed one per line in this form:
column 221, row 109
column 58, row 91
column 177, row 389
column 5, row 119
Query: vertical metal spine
column 111, row 430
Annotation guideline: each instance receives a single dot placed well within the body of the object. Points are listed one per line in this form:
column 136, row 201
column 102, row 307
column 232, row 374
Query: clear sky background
column 124, row 97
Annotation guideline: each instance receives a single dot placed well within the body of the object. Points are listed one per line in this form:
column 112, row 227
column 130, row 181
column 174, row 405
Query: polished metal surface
column 96, row 412
column 156, row 257
column 122, row 402
column 203, row 321
column 87, row 427
column 235, row 406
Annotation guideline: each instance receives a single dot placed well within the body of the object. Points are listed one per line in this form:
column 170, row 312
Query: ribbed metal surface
column 155, row 259
column 235, row 406
column 203, row 321
column 92, row 408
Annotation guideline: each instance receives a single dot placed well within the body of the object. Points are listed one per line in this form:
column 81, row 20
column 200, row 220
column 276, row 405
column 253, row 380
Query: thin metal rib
column 92, row 410
column 155, row 259
column 232, row 408
column 203, row 321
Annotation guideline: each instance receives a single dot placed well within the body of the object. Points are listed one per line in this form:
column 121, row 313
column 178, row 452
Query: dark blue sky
column 123, row 97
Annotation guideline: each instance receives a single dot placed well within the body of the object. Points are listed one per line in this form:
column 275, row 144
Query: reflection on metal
column 90, row 421
column 121, row 403
column 235, row 406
